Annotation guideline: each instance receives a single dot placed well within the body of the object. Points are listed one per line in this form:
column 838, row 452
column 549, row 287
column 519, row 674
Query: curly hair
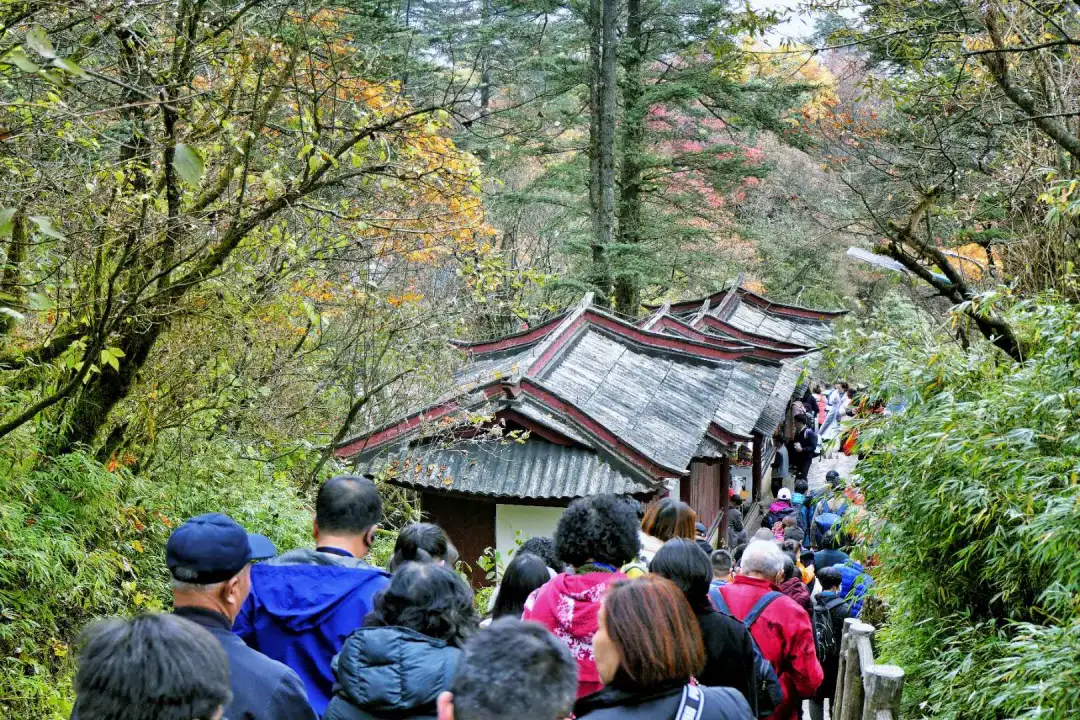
column 430, row 599
column 543, row 548
column 601, row 528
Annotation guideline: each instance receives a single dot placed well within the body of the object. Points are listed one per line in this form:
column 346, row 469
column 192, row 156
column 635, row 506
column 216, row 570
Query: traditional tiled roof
column 625, row 404
column 534, row 470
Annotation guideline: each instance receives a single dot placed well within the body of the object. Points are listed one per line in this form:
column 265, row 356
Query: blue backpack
column 766, row 693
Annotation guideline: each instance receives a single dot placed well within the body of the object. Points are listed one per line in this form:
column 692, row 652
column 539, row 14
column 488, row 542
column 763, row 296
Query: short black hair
column 602, row 528
column 151, row 667
column 348, row 504
column 801, row 485
column 736, row 554
column 525, row 573
column 430, row 599
column 789, row 566
column 423, row 542
column 806, row 557
column 801, row 418
column 543, row 548
column 829, row 578
column 685, row 564
column 721, row 561
column 514, row 669
column 795, row 534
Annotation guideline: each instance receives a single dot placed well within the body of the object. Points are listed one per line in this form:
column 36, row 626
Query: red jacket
column 568, row 606
column 784, row 635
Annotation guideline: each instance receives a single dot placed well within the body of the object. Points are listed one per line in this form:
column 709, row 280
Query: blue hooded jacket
column 854, row 585
column 302, row 607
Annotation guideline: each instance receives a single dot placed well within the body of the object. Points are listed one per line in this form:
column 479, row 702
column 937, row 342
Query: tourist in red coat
column 783, row 631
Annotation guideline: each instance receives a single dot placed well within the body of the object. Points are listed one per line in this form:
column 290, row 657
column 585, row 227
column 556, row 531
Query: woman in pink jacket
column 596, row 535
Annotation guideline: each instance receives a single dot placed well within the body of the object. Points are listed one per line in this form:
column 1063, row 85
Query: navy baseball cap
column 213, row 548
column 700, row 527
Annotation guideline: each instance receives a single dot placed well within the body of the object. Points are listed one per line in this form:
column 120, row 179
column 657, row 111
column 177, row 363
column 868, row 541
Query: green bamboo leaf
column 45, row 227
column 7, row 216
column 39, row 43
column 189, row 163
column 70, row 68
column 37, row 301
column 19, row 59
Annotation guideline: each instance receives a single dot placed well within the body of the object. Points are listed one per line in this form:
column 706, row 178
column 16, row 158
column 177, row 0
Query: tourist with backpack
column 779, row 509
column 830, row 611
column 779, row 626
column 855, row 583
column 834, row 502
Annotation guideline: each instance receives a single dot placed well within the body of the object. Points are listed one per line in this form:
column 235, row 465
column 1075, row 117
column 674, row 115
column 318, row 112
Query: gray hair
column 762, row 557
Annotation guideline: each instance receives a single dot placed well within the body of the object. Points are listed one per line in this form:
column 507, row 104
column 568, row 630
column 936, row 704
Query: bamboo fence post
column 884, row 688
column 837, row 705
column 854, row 698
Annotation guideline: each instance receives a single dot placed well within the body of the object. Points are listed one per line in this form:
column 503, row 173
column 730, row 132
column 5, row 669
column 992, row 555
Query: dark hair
column 831, row 541
column 789, row 546
column 423, row 542
column 514, row 669
column 829, row 578
column 655, row 631
column 543, row 548
column 736, row 554
column 721, row 561
column 817, row 389
column 801, row 418
column 685, row 564
column 348, row 504
column 789, row 566
column 801, row 485
column 525, row 573
column 152, row 667
column 794, row 533
column 844, row 386
column 602, row 528
column 806, row 557
column 670, row 518
column 431, row 599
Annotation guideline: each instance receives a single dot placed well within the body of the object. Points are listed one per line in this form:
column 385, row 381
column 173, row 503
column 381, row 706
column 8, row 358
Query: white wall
column 530, row 520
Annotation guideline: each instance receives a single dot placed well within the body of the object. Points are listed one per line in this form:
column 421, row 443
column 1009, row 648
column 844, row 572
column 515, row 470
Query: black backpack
column 826, row 641
column 766, row 693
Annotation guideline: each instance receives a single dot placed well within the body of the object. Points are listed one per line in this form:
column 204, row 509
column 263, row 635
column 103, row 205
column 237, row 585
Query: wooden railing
column 864, row 689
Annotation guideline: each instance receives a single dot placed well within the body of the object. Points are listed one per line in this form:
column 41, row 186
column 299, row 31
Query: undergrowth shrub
column 977, row 481
column 79, row 540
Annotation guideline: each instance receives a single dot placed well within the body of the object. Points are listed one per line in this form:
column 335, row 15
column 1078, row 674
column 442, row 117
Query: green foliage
column 80, row 542
column 977, row 481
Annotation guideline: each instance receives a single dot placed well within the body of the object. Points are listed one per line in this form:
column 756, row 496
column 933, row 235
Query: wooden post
column 884, row 690
column 755, row 471
column 836, row 708
column 725, row 500
column 858, row 640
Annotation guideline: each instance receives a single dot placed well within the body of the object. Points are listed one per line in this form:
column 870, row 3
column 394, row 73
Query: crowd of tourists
column 626, row 613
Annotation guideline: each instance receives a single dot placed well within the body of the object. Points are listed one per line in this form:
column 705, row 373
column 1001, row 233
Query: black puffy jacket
column 390, row 672
column 721, row 703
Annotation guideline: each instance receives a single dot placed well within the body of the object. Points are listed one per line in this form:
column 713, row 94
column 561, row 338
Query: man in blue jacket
column 303, row 604
column 210, row 557
column 855, row 584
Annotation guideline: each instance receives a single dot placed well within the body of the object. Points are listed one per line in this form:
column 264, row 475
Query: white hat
column 784, row 494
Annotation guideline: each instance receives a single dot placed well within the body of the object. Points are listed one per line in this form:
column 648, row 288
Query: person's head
column 794, row 534
column 209, row 558
column 763, row 560
column 735, row 499
column 699, row 531
column 789, row 546
column 722, row 564
column 831, row 541
column 789, row 566
column 647, row 636
column 817, row 390
column 685, row 564
column 151, row 667
column 425, row 543
column 806, row 558
column 599, row 528
column 788, row 522
column 736, row 556
column 430, row 599
column 763, row 534
column 801, row 421
column 802, row 486
column 784, row 494
column 544, row 548
column 525, row 573
column 672, row 518
column 830, row 578
column 845, row 387
column 348, row 510
column 512, row 669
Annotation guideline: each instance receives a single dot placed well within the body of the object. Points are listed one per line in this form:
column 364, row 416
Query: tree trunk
column 10, row 284
column 600, row 278
column 627, row 280
column 608, row 107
